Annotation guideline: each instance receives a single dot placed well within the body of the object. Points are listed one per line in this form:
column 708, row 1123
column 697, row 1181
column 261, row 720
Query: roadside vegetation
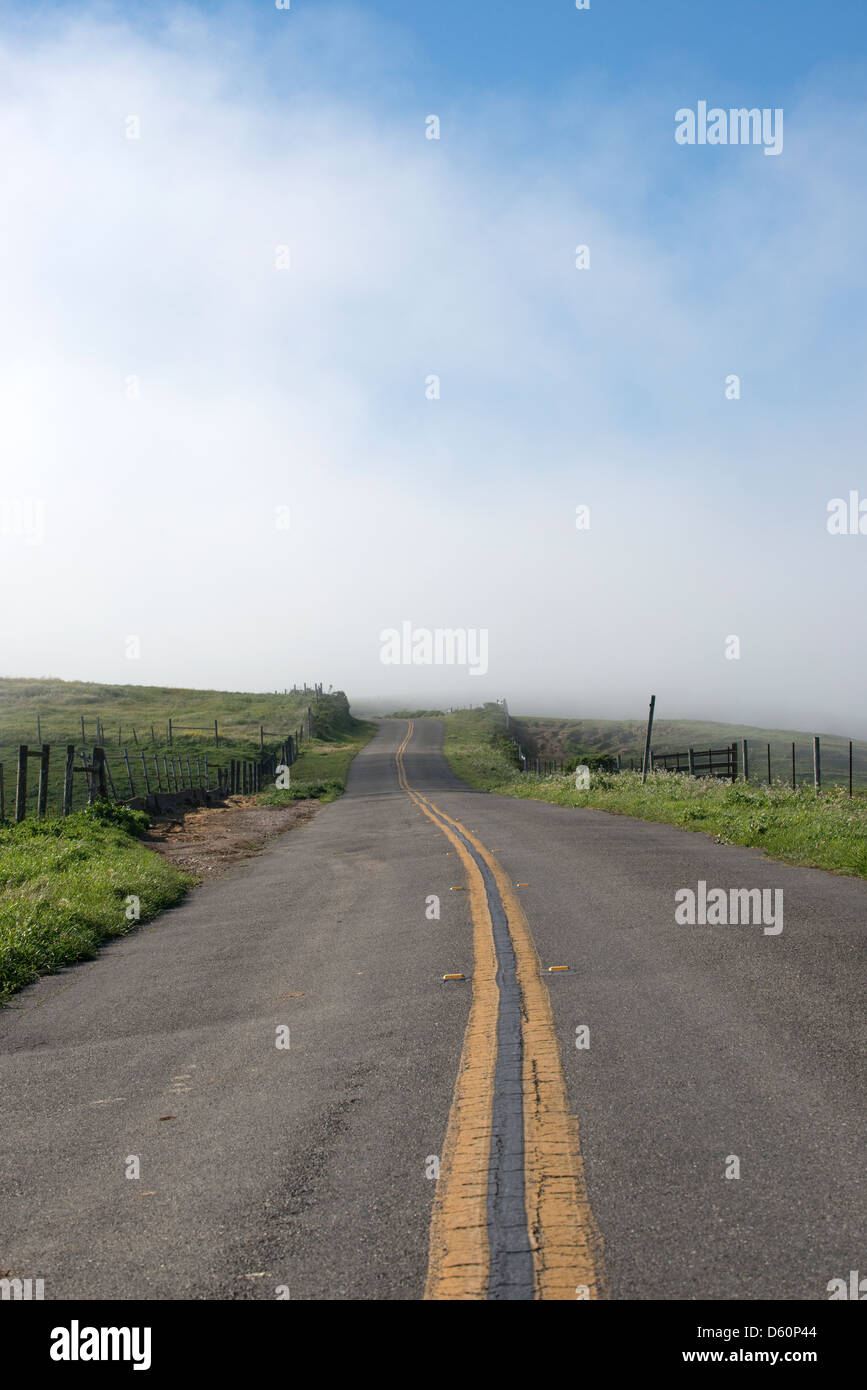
column 828, row 831
column 64, row 886
column 323, row 766
column 67, row 883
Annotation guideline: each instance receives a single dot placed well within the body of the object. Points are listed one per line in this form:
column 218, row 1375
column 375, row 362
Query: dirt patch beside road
column 209, row 840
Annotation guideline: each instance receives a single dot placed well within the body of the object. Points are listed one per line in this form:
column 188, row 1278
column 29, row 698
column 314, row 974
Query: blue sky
column 154, row 259
column 531, row 47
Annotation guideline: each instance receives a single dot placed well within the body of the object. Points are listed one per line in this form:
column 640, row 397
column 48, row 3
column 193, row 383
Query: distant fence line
column 731, row 763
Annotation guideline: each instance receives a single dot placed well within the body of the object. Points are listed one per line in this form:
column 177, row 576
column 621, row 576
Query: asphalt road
column 306, row 1168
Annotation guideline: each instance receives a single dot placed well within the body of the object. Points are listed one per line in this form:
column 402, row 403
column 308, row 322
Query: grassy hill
column 61, row 705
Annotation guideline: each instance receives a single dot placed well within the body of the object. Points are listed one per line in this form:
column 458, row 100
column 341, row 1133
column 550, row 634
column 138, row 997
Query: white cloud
column 155, row 258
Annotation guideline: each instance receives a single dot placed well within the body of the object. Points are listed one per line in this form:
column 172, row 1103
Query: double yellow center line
column 511, row 1218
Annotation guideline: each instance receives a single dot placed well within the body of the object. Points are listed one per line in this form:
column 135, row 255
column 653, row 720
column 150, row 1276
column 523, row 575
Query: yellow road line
column 567, row 1250
column 458, row 1262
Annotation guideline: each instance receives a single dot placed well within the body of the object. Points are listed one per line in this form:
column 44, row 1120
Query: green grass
column 478, row 750
column 322, row 768
column 64, row 889
column 828, row 831
column 65, row 881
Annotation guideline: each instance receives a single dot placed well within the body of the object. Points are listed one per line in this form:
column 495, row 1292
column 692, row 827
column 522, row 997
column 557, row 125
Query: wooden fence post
column 21, row 785
column 129, row 773
column 769, row 764
column 170, row 731
column 83, row 736
column 38, row 729
column 216, row 735
column 166, row 771
column 68, row 778
column 107, row 767
column 261, row 738
column 745, row 764
column 850, row 767
column 793, row 765
column 157, row 770
column 42, row 793
column 691, row 757
column 144, row 768
column 98, row 788
column 647, row 737
column 817, row 764
column 2, row 795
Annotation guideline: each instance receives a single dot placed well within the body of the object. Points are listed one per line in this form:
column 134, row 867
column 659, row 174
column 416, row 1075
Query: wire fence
column 57, row 779
column 842, row 764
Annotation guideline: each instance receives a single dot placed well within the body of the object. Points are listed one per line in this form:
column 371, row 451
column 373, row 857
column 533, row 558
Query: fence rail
column 709, row 762
column 744, row 760
column 89, row 775
column 92, row 731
